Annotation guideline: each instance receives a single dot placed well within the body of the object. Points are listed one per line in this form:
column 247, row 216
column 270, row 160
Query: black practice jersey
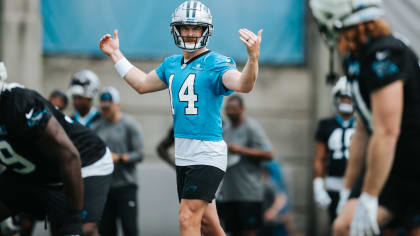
column 24, row 115
column 381, row 62
column 336, row 134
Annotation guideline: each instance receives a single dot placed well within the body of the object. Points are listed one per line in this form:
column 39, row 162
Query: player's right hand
column 322, row 199
column 109, row 45
column 364, row 219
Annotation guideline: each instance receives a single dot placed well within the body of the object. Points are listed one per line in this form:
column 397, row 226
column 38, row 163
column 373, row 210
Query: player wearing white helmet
column 333, row 137
column 197, row 80
column 385, row 79
column 84, row 86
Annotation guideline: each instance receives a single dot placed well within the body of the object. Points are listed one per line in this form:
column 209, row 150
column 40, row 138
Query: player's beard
column 191, row 40
column 235, row 119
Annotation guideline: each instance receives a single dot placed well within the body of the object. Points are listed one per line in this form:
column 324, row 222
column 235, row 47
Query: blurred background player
column 122, row 134
column 84, row 87
column 59, row 99
column 333, row 137
column 240, row 201
column 278, row 214
column 385, row 78
column 200, row 151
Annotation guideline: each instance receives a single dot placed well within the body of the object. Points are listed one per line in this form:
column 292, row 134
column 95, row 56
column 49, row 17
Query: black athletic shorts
column 198, row 182
column 401, row 196
column 332, row 208
column 240, row 215
column 40, row 201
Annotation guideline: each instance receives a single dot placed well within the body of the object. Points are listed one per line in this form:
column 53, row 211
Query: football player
column 385, row 79
column 59, row 99
column 56, row 168
column 197, row 80
column 84, row 86
column 332, row 149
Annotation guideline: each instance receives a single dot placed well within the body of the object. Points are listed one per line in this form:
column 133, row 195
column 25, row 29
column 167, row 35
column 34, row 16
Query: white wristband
column 123, row 66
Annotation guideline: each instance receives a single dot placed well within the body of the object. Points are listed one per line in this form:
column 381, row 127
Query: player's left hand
column 364, row 218
column 270, row 214
column 233, row 148
column 115, row 157
column 251, row 41
column 125, row 158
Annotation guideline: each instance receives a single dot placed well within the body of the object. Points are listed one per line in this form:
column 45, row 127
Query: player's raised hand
column 251, row 41
column 109, row 45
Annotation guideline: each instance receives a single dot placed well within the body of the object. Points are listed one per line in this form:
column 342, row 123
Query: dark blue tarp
column 75, row 27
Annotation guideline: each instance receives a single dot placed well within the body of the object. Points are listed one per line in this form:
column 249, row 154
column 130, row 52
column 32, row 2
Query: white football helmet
column 84, row 83
column 333, row 15
column 342, row 89
column 192, row 12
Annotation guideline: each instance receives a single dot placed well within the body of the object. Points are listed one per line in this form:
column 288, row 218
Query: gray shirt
column 122, row 137
column 243, row 178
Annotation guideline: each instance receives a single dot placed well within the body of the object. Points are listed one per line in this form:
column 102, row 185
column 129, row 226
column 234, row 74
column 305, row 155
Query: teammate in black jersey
column 56, row 168
column 332, row 149
column 385, row 80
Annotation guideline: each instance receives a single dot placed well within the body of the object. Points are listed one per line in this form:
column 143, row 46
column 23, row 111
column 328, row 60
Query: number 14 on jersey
column 185, row 94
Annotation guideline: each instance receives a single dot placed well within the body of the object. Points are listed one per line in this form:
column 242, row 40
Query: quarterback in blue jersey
column 197, row 80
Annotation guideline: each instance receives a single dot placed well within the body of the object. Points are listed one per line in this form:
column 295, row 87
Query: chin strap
column 331, row 77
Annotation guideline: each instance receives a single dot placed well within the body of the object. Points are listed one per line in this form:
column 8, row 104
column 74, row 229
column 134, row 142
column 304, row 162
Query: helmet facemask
column 340, row 90
column 333, row 16
column 201, row 41
column 192, row 13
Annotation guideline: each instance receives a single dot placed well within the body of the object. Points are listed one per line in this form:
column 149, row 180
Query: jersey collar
column 192, row 59
column 344, row 123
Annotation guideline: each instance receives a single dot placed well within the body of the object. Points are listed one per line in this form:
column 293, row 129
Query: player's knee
column 188, row 219
column 414, row 231
column 205, row 226
column 340, row 227
column 90, row 229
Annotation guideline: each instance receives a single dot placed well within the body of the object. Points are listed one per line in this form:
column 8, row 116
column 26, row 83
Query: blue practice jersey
column 196, row 91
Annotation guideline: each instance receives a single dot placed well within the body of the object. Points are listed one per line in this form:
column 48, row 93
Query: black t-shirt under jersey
column 381, row 62
column 24, row 115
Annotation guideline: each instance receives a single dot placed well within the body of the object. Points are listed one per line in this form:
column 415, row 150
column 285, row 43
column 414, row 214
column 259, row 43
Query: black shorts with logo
column 198, row 182
column 49, row 201
column 241, row 215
